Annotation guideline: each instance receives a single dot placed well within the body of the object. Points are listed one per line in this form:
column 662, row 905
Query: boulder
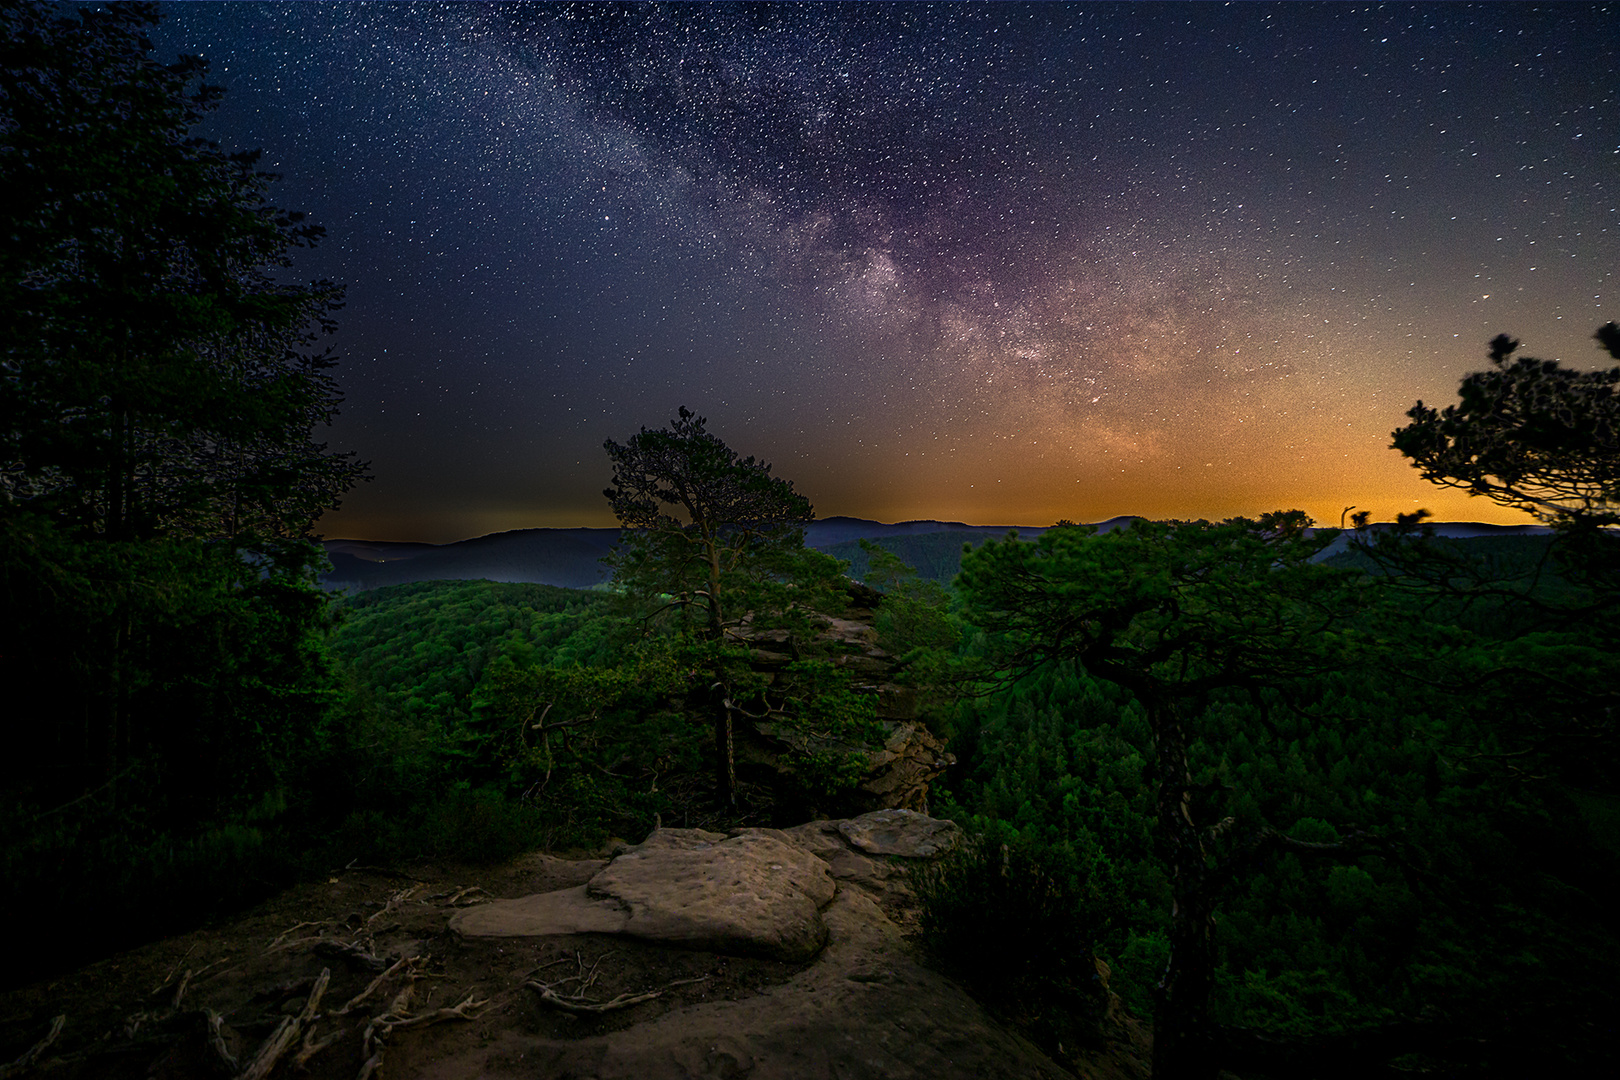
column 751, row 894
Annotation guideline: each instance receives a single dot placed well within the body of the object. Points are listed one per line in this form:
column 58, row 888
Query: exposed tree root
column 279, row 938
column 286, row 1033
column 351, row 952
column 27, row 1060
column 586, row 978
column 216, row 1041
column 623, row 1001
column 311, row 1048
column 355, row 1001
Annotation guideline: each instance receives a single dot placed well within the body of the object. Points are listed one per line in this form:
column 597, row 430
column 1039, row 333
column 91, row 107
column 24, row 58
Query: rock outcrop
column 898, row 776
column 863, row 1007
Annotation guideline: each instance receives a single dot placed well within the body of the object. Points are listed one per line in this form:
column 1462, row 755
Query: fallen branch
column 286, row 1033
column 342, row 950
column 455, row 1012
column 185, row 983
column 26, row 1061
column 167, row 979
column 294, row 943
column 279, row 938
column 464, row 892
column 383, row 870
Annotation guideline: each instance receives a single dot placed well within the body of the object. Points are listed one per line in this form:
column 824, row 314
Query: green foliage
column 1481, row 911
column 932, row 556
column 158, row 478
column 740, row 528
column 713, row 552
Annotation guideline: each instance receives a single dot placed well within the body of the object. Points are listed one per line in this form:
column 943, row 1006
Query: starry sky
column 994, row 263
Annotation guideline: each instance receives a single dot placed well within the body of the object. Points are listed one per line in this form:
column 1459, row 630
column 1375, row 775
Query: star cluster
column 999, row 263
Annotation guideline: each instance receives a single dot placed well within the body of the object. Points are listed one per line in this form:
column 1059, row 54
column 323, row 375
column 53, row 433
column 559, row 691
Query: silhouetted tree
column 1530, row 434
column 158, row 470
column 158, row 377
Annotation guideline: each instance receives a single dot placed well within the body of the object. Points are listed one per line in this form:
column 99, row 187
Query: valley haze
column 571, row 558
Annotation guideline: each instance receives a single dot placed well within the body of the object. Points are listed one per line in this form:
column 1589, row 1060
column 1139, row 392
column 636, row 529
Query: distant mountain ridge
column 572, row 558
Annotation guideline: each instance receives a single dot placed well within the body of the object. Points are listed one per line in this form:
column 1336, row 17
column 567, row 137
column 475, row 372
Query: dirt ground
column 206, row 1003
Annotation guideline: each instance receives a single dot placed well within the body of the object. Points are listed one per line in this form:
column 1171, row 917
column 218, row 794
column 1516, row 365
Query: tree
column 1530, row 434
column 1176, row 613
column 716, row 540
column 1545, row 439
column 159, row 475
column 741, row 523
column 158, row 377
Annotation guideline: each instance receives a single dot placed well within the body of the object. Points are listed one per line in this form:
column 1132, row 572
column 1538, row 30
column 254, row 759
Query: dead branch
column 623, row 1001
column 26, row 1061
column 373, row 1063
column 351, row 952
column 286, row 1033
column 158, row 989
column 454, row 1012
column 293, row 944
column 185, row 983
column 382, row 870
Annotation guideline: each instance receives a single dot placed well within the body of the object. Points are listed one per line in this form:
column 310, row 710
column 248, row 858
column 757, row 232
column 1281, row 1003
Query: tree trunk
column 1182, row 1045
column 724, row 748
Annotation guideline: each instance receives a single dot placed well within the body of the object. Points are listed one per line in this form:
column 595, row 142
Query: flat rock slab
column 566, row 911
column 863, row 1011
column 900, row 832
column 751, row 895
column 754, row 894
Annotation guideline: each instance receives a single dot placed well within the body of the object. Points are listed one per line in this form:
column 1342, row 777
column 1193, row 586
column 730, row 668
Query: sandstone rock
column 753, row 895
column 900, row 773
column 566, row 911
column 901, row 832
column 862, row 1008
column 863, row 1011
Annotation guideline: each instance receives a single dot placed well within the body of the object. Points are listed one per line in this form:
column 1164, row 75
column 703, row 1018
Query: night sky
column 995, row 263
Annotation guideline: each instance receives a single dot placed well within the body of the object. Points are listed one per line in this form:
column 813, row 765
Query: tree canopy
column 159, row 471
column 158, row 368
column 716, row 539
column 1175, row 613
column 738, row 524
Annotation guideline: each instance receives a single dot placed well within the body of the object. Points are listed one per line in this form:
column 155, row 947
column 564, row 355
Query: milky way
column 995, row 263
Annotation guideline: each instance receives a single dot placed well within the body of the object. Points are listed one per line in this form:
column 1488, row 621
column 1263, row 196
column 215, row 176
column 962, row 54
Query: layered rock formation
column 898, row 775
